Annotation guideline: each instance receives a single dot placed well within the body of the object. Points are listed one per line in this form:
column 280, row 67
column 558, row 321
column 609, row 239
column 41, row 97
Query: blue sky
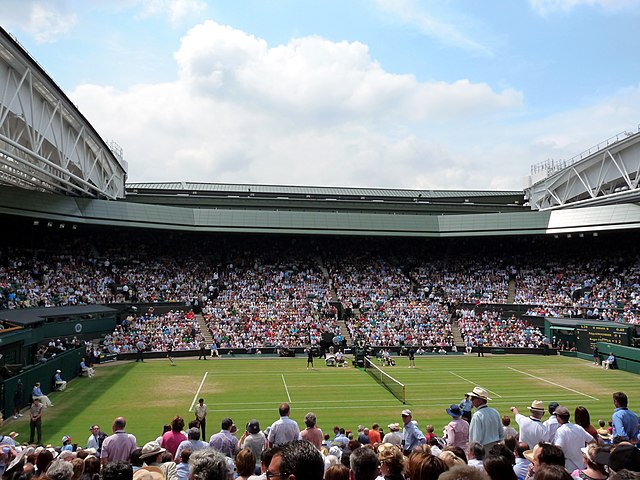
column 380, row 93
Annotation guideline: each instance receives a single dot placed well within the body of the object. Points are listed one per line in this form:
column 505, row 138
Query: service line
column 553, row 383
column 198, row 391
column 286, row 388
column 474, row 383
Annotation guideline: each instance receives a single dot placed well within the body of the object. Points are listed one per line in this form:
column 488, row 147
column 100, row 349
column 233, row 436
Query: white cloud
column 315, row 78
column 44, row 20
column 175, row 10
column 544, row 7
column 413, row 13
column 318, row 112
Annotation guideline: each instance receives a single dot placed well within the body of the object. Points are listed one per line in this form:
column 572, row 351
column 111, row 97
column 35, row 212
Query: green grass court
column 149, row 394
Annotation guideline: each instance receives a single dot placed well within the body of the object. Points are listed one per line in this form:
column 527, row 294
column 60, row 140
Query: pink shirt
column 118, row 446
column 171, row 440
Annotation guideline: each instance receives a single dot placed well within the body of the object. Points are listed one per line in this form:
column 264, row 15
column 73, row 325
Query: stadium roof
column 295, row 190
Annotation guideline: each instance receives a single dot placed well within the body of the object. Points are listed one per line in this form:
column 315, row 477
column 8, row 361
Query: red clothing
column 374, row 437
column 171, row 440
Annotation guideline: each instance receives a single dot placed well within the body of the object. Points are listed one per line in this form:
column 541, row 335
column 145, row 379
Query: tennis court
column 149, row 394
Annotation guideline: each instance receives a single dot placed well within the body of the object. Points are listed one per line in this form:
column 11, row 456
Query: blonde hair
column 451, row 459
column 391, row 455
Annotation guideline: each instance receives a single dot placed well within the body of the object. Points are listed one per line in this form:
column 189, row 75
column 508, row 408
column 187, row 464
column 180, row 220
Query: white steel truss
column 46, row 144
column 609, row 175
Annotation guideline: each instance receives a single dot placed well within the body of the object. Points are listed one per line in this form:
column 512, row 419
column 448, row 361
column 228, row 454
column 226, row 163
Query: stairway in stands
column 457, row 335
column 511, row 295
column 344, row 331
column 204, row 329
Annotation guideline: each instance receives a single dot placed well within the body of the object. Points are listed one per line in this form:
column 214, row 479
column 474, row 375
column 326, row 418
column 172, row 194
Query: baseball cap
column 406, row 413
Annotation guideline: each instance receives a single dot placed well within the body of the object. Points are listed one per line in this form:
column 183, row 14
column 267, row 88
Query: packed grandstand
column 266, row 291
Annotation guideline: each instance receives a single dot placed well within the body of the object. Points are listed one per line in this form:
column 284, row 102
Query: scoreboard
column 587, row 335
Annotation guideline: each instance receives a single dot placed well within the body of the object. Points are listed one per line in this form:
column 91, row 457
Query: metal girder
column 611, row 174
column 46, row 144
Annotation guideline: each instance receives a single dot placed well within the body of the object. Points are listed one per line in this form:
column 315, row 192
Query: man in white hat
column 60, row 383
column 152, row 456
column 532, row 430
column 411, row 434
column 486, row 425
column 394, row 437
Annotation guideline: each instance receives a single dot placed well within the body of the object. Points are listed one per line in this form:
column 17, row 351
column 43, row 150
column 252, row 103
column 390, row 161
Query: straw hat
column 479, row 392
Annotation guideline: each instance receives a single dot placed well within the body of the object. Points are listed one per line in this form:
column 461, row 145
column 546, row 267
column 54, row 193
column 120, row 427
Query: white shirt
column 571, row 438
column 532, row 431
column 552, row 426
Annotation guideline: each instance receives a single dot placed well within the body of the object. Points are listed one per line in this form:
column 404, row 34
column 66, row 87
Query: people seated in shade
column 609, row 362
column 36, row 393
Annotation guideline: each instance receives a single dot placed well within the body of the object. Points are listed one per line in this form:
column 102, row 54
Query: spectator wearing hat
column 60, row 384
column 224, row 441
column 149, row 473
column 255, row 440
column 283, row 430
column 486, row 425
column 625, row 422
column 391, row 462
column 593, row 469
column 394, row 437
column 312, row 433
column 193, row 442
column 119, row 445
column 35, row 419
column 466, row 406
column 152, row 457
column 624, row 456
column 412, row 437
column 456, row 432
column 9, row 440
column 532, row 430
column 571, row 438
column 552, row 422
column 66, row 444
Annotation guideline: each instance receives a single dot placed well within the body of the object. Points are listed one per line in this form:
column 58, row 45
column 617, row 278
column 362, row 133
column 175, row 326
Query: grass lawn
column 149, row 394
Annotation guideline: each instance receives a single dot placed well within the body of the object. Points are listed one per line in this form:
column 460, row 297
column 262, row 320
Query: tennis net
column 396, row 388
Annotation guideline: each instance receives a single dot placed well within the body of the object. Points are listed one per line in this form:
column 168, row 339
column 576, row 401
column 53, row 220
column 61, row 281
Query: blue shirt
column 486, row 426
column 625, row 424
column 412, row 436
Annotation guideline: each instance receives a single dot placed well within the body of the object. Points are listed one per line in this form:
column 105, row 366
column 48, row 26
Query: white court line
column 553, row 383
column 474, row 383
column 198, row 391
column 285, row 387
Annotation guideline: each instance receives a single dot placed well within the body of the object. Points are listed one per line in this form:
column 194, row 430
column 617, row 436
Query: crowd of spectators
column 474, row 447
column 283, row 292
column 178, row 329
column 497, row 331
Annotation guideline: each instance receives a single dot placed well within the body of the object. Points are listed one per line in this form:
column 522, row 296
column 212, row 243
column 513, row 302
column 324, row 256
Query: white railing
column 551, row 166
